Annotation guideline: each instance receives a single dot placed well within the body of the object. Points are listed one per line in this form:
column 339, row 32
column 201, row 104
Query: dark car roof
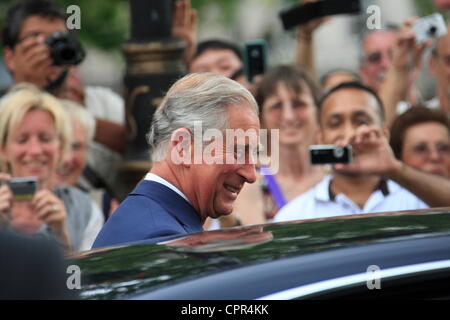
column 251, row 262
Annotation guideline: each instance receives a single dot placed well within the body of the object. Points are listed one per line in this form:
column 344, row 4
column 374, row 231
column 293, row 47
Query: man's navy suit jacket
column 151, row 210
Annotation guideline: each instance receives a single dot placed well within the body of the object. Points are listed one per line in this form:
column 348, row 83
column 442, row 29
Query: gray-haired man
column 182, row 189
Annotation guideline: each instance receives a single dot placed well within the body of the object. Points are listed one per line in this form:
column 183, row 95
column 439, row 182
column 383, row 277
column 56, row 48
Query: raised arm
column 184, row 27
column 304, row 56
column 403, row 71
column 375, row 156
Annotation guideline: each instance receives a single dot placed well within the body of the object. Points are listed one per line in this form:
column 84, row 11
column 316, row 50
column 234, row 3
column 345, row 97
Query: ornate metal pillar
column 154, row 62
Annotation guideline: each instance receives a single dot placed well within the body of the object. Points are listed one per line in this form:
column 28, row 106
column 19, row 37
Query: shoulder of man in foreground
column 136, row 219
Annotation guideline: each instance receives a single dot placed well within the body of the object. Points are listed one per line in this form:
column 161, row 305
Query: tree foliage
column 104, row 23
column 426, row 7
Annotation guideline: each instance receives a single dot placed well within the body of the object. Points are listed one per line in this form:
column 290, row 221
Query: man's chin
column 348, row 173
column 217, row 213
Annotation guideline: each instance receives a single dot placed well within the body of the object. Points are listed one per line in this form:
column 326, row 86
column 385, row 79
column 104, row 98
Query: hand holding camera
column 50, row 209
column 410, row 46
column 14, row 190
column 330, row 154
column 372, row 153
column 305, row 31
column 429, row 27
column 40, row 60
column 32, row 62
column 43, row 205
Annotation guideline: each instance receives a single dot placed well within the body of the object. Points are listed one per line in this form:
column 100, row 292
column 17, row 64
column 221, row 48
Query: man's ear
column 8, row 56
column 181, row 147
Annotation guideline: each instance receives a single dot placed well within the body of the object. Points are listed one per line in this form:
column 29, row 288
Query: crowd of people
column 71, row 136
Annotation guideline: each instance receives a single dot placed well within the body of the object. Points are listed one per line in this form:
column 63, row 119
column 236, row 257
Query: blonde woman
column 34, row 135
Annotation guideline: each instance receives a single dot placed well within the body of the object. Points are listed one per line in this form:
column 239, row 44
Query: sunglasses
column 377, row 56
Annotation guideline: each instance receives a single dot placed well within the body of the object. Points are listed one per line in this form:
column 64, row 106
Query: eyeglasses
column 424, row 149
column 376, row 57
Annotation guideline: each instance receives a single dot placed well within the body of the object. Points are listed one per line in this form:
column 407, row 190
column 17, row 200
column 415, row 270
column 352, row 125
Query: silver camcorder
column 429, row 27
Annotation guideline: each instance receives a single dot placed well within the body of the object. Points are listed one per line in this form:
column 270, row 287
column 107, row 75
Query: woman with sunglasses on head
column 34, row 134
column 420, row 137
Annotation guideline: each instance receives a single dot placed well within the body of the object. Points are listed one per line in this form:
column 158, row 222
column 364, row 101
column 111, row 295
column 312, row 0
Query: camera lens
column 338, row 152
column 255, row 53
column 67, row 55
column 65, row 49
column 432, row 31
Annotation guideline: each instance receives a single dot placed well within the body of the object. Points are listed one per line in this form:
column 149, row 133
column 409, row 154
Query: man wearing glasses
column 390, row 65
column 376, row 56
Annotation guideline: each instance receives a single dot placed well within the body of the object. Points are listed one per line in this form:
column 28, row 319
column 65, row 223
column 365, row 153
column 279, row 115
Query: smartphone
column 330, row 154
column 255, row 58
column 303, row 13
column 23, row 189
column 429, row 27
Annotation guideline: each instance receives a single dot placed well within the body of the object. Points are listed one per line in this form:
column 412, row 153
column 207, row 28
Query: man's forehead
column 243, row 116
column 212, row 55
column 349, row 100
column 42, row 24
column 383, row 38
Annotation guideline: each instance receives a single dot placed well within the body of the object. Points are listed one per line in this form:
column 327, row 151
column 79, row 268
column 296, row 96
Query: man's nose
column 347, row 133
column 385, row 61
column 248, row 172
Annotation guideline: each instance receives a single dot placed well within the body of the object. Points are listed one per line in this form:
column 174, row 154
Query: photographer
column 375, row 181
column 387, row 67
column 29, row 26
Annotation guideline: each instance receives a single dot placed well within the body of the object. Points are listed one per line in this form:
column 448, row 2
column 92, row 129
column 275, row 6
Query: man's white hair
column 203, row 97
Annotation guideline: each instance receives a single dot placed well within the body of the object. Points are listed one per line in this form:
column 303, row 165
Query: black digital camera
column 65, row 49
column 330, row 154
column 255, row 58
column 303, row 13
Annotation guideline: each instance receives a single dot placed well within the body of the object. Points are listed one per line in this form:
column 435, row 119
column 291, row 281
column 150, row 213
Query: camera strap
column 57, row 83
